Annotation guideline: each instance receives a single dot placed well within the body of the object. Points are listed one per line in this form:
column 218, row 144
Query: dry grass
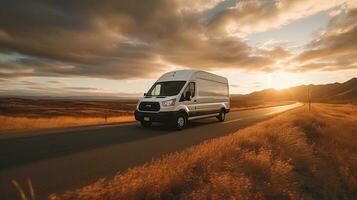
column 297, row 155
column 22, row 115
column 38, row 108
column 22, row 124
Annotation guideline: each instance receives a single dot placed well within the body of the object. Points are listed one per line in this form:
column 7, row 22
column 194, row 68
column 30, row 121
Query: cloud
column 115, row 39
column 234, row 85
column 256, row 16
column 141, row 39
column 335, row 48
column 214, row 53
column 81, row 88
column 275, row 53
column 125, row 66
column 54, row 82
column 34, row 88
column 103, row 39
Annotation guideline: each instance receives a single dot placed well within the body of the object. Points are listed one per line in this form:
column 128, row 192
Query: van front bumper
column 163, row 117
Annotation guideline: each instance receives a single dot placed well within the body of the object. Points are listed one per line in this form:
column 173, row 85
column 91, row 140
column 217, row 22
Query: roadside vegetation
column 296, row 155
column 25, row 124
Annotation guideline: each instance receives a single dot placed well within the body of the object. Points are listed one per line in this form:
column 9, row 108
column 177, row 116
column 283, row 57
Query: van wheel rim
column 223, row 115
column 180, row 121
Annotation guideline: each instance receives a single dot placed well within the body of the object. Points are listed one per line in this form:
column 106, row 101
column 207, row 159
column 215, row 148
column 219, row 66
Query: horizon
column 114, row 49
column 113, row 97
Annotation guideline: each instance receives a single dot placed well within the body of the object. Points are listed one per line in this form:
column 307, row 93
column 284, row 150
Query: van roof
column 189, row 74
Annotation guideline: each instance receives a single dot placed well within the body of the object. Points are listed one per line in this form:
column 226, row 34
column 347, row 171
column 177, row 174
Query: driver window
column 156, row 90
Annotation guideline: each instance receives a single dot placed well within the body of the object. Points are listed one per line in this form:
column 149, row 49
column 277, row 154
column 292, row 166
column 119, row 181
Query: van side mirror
column 188, row 96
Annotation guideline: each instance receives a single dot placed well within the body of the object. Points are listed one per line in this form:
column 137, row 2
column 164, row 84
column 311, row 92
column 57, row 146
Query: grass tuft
column 30, row 195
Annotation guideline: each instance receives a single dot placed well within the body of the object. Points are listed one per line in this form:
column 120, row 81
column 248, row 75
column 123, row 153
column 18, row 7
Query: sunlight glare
column 280, row 80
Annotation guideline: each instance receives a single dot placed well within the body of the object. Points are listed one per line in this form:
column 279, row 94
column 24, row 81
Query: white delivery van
column 184, row 95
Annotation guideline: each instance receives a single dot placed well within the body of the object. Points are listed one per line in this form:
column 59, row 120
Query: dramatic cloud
column 335, row 48
column 98, row 38
column 213, row 53
column 138, row 39
column 254, row 15
column 113, row 39
column 132, row 62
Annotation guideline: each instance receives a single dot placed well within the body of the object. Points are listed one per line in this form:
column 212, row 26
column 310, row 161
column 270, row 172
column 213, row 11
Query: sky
column 120, row 48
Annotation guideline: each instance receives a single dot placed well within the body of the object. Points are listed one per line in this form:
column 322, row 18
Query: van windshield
column 167, row 88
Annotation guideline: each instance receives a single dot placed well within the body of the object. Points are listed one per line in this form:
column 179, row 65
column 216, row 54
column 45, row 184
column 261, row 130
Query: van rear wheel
column 180, row 122
column 222, row 116
column 145, row 124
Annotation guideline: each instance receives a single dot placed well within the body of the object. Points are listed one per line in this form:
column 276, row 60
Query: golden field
column 21, row 115
column 20, row 124
column 296, row 155
column 24, row 115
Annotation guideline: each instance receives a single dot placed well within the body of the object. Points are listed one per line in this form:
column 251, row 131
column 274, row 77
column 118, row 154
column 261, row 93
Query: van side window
column 190, row 87
column 212, row 88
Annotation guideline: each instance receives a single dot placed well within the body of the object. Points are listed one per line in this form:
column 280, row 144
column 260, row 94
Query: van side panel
column 212, row 93
column 212, row 96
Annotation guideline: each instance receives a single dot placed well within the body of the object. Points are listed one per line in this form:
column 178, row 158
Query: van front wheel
column 222, row 116
column 180, row 122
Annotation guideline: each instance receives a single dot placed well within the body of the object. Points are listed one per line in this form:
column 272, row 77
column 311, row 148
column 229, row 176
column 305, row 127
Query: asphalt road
column 69, row 159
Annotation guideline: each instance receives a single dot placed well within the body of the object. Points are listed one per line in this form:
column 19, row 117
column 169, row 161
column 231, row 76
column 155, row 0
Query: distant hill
column 334, row 93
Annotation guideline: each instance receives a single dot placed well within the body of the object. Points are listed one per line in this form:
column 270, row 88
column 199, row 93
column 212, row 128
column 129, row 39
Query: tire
column 180, row 121
column 145, row 124
column 222, row 115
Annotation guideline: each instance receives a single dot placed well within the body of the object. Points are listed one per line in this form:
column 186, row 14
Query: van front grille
column 149, row 106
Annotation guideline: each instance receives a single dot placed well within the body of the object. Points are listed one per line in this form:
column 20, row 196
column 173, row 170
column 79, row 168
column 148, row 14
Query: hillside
column 333, row 93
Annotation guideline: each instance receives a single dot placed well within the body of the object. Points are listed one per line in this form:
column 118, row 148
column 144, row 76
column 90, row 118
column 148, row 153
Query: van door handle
column 195, row 100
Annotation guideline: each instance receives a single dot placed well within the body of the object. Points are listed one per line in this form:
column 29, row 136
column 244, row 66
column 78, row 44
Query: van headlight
column 170, row 102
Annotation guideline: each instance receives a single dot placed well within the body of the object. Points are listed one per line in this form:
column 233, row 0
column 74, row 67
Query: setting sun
column 280, row 80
